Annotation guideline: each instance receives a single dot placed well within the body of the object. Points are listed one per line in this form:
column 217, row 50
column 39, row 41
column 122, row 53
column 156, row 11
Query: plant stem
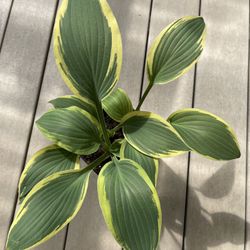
column 97, row 162
column 150, row 85
column 102, row 122
column 115, row 129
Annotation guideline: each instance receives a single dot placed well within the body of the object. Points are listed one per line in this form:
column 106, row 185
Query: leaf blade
column 176, row 49
column 90, row 63
column 72, row 129
column 44, row 211
column 45, row 162
column 71, row 100
column 149, row 164
column 117, row 104
column 152, row 135
column 136, row 226
column 206, row 133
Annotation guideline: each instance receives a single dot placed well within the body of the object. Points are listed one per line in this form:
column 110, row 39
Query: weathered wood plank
column 247, row 219
column 5, row 8
column 216, row 197
column 88, row 230
column 21, row 66
column 52, row 87
column 165, row 99
column 132, row 17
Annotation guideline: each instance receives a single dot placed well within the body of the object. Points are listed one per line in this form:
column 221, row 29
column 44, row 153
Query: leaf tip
column 238, row 154
column 38, row 123
column 52, row 102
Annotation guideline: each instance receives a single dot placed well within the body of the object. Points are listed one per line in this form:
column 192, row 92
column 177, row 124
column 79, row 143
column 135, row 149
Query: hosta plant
column 99, row 124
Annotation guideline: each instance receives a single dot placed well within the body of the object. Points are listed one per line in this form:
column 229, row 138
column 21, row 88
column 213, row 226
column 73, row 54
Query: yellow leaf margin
column 116, row 50
column 104, row 202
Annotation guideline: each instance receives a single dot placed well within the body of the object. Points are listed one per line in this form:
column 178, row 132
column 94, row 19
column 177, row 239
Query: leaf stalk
column 150, row 85
column 115, row 129
column 102, row 122
column 97, row 162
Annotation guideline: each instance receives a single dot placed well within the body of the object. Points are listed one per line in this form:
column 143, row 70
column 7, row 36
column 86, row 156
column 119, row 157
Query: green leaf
column 50, row 206
column 130, row 205
column 176, row 49
column 149, row 164
column 88, row 48
column 206, row 134
column 116, row 147
column 117, row 104
column 72, row 129
column 152, row 135
column 45, row 162
column 71, row 100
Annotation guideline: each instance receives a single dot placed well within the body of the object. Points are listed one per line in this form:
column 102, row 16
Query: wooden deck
column 205, row 203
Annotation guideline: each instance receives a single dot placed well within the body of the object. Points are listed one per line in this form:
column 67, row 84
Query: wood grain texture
column 132, row 17
column 247, row 219
column 52, row 87
column 21, row 66
column 216, row 197
column 5, row 8
column 163, row 100
column 88, row 230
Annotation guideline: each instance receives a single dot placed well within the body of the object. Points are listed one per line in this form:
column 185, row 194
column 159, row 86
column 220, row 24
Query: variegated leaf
column 130, row 205
column 72, row 129
column 176, row 49
column 149, row 164
column 88, row 48
column 72, row 100
column 117, row 104
column 45, row 162
column 206, row 133
column 50, row 206
column 152, row 135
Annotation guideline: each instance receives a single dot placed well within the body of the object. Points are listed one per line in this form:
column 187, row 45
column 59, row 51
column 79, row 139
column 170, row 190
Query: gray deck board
column 5, row 9
column 216, row 198
column 52, row 87
column 247, row 219
column 163, row 100
column 21, row 66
